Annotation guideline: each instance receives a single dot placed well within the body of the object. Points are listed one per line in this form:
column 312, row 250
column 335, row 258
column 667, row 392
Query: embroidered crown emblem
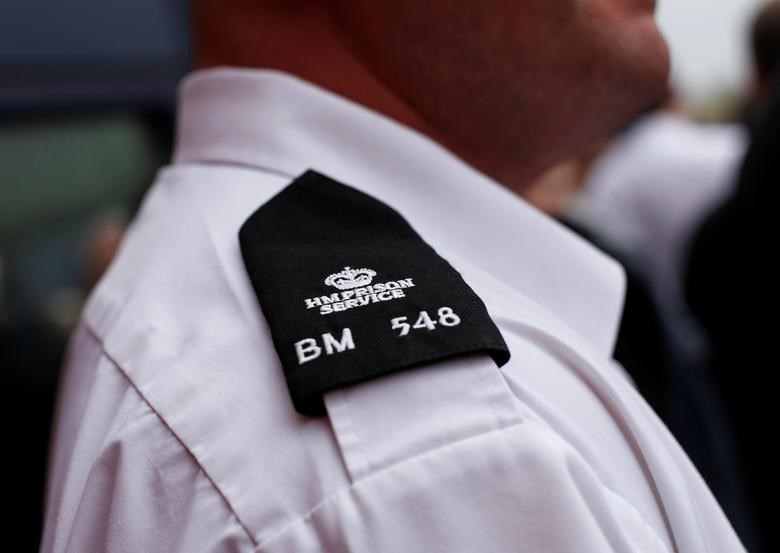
column 350, row 278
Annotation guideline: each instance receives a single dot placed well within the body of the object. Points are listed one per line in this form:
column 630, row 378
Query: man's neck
column 313, row 48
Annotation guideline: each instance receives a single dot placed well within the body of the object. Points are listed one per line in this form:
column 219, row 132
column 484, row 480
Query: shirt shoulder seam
column 175, row 435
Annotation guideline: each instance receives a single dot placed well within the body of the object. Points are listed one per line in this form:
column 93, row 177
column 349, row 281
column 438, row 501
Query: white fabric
column 175, row 431
column 651, row 189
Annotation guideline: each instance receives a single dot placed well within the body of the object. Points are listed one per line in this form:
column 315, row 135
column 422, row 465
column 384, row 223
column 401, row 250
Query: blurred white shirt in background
column 650, row 189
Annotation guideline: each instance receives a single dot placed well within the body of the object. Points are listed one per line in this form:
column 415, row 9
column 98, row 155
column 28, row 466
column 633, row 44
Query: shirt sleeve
column 119, row 480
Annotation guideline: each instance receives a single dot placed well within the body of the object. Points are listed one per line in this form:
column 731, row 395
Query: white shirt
column 175, row 431
column 650, row 190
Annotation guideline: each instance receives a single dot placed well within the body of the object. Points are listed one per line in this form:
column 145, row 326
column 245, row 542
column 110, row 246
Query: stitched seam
column 233, row 164
column 202, row 469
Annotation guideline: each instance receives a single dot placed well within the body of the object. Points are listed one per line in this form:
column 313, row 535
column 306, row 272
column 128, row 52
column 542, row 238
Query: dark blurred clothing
column 30, row 358
column 731, row 286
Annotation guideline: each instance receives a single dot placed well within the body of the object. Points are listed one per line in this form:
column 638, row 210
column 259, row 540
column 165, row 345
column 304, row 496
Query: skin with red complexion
column 511, row 86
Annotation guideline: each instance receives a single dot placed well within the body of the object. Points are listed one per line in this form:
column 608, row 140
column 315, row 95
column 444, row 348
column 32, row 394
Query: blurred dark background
column 87, row 97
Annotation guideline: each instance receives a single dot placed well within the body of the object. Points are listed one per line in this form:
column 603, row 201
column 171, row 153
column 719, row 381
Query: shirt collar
column 279, row 123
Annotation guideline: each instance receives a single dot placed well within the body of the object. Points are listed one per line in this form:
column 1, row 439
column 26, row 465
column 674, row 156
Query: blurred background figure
column 731, row 280
column 651, row 187
column 765, row 44
column 87, row 91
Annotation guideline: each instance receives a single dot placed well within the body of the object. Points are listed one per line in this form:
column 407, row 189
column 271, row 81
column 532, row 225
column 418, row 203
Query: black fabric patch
column 336, row 271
